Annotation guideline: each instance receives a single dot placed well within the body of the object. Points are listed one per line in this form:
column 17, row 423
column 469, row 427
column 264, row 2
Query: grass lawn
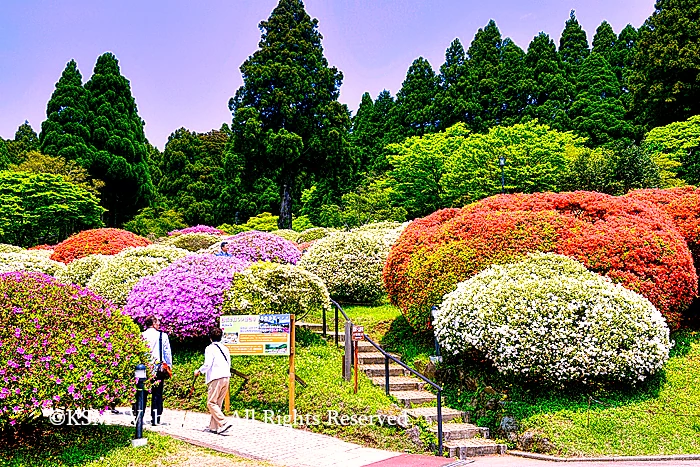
column 319, row 364
column 103, row 445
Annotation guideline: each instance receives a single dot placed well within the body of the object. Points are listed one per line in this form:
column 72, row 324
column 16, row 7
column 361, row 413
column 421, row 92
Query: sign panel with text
column 256, row 334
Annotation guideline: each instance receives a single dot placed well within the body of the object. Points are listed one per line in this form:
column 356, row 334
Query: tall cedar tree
column 512, row 83
column 573, row 46
column 550, row 92
column 604, row 41
column 484, row 61
column 65, row 131
column 415, row 110
column 191, row 168
column 118, row 155
column 665, row 82
column 287, row 122
column 597, row 112
column 26, row 140
column 452, row 101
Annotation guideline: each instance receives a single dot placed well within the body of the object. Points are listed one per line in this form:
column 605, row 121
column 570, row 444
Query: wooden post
column 227, row 401
column 355, row 346
column 292, row 379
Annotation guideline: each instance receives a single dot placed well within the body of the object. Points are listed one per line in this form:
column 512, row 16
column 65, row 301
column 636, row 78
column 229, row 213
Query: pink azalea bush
column 187, row 295
column 197, row 229
column 61, row 346
column 262, row 246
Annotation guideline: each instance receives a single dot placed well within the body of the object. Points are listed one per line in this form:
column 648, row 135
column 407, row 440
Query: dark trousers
column 156, row 401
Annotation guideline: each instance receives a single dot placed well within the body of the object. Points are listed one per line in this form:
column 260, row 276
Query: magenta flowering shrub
column 197, row 229
column 262, row 246
column 61, row 346
column 187, row 295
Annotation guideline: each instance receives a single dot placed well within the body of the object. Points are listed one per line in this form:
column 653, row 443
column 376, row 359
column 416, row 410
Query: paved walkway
column 291, row 447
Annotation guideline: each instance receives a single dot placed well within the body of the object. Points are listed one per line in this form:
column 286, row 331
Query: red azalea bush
column 94, row 242
column 682, row 205
column 42, row 247
column 62, row 346
column 628, row 241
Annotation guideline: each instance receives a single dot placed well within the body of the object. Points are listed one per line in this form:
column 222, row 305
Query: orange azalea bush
column 628, row 241
column 96, row 241
column 682, row 205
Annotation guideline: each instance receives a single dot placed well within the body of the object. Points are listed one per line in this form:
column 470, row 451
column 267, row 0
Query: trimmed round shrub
column 350, row 263
column 198, row 229
column 5, row 248
column 315, row 233
column 43, row 247
column 80, row 271
column 192, row 241
column 187, row 295
column 234, row 229
column 62, row 346
column 682, row 205
column 39, row 253
column 271, row 288
column 549, row 318
column 96, row 241
column 256, row 246
column 379, row 225
column 118, row 275
column 287, row 234
column 628, row 241
column 166, row 252
column 29, row 262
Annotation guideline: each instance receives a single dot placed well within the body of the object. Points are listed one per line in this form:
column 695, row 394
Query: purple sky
column 182, row 57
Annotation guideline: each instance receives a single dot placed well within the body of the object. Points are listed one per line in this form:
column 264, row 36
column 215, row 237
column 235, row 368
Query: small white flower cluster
column 7, row 248
column 547, row 317
column 351, row 263
column 80, row 271
column 273, row 288
column 118, row 275
column 26, row 261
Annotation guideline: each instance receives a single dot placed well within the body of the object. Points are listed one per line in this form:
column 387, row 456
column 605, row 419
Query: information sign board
column 256, row 334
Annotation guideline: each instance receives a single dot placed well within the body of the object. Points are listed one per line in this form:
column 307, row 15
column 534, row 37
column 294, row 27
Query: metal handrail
column 388, row 357
column 337, row 307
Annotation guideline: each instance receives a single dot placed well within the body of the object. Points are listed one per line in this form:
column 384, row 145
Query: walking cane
column 189, row 398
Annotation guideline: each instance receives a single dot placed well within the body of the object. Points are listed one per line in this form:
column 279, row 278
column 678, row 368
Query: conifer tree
column 550, row 92
column 415, row 112
column 484, row 61
column 665, row 80
column 453, row 97
column 512, row 79
column 65, row 131
column 604, row 41
column 118, row 154
column 287, row 122
column 573, row 45
column 597, row 112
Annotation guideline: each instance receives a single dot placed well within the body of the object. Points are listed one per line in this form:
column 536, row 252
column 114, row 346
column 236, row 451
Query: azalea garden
column 530, row 215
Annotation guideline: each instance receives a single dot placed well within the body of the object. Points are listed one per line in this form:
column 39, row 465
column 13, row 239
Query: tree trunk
column 285, row 219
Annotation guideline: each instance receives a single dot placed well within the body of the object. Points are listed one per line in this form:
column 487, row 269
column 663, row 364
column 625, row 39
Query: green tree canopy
column 36, row 162
column 676, row 150
column 665, row 81
column 287, row 122
column 65, row 132
column 43, row 208
column 604, row 41
column 573, row 46
column 415, row 111
column 25, row 140
column 118, row 154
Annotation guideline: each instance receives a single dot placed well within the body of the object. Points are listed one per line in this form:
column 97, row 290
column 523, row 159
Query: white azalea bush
column 24, row 261
column 381, row 225
column 287, row 234
column 549, row 318
column 350, row 263
column 80, row 271
column 169, row 253
column 117, row 276
column 6, row 248
column 192, row 241
column 273, row 288
column 314, row 233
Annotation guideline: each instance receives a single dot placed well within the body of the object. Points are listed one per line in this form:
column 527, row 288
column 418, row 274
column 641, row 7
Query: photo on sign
column 274, row 323
column 276, row 349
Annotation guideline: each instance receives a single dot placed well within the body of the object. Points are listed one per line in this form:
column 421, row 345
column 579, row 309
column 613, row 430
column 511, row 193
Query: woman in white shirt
column 217, row 369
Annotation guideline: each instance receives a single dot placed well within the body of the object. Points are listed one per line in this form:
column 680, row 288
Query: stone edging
column 546, row 457
column 213, row 447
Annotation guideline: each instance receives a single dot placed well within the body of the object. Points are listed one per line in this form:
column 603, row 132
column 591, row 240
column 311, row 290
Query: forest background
column 610, row 113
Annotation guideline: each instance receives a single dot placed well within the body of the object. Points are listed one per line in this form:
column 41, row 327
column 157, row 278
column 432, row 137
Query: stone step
column 471, row 447
column 400, row 383
column 368, row 358
column 364, row 346
column 430, row 414
column 412, row 398
column 311, row 326
column 378, row 370
column 456, row 431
